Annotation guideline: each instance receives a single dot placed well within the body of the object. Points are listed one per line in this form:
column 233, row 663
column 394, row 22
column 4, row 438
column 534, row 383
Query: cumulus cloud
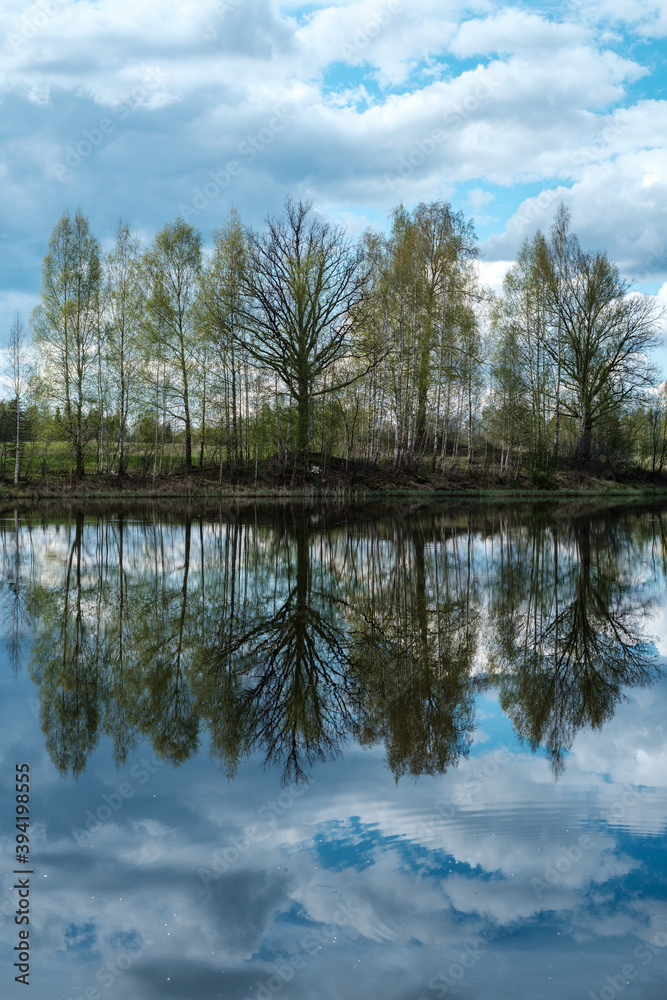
column 643, row 17
column 131, row 110
column 515, row 31
column 618, row 204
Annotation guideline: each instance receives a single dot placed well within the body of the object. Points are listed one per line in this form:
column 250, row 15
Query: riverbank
column 360, row 482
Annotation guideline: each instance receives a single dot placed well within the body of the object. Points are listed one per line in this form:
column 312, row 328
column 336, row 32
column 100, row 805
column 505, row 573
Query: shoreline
column 93, row 489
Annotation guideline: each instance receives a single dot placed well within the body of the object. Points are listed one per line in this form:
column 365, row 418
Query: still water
column 323, row 753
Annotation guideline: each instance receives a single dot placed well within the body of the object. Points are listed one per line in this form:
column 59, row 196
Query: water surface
column 322, row 752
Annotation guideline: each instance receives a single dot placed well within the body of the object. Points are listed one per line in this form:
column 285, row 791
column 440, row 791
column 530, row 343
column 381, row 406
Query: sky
column 144, row 111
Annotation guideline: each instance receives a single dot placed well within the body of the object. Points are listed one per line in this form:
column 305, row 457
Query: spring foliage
column 296, row 345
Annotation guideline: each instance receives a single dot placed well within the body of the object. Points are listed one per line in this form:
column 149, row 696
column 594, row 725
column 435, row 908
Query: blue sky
column 133, row 109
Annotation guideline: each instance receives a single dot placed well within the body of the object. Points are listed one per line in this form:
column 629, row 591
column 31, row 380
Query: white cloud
column 515, row 31
column 612, row 209
column 366, row 86
column 645, row 17
column 493, row 273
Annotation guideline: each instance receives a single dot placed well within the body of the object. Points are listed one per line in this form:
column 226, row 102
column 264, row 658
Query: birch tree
column 65, row 323
column 20, row 372
column 123, row 330
column 172, row 267
column 221, row 307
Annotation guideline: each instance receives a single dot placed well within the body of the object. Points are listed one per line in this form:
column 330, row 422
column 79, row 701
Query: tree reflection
column 287, row 632
column 66, row 657
column 568, row 631
column 280, row 672
column 14, row 564
column 166, row 709
column 414, row 652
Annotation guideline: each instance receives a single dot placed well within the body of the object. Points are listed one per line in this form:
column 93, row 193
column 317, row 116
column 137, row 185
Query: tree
column 172, row 268
column 556, row 267
column 20, row 372
column 221, row 304
column 307, row 285
column 423, row 273
column 521, row 319
column 65, row 322
column 508, row 404
column 445, row 244
column 655, row 410
column 607, row 337
column 124, row 313
column 573, row 342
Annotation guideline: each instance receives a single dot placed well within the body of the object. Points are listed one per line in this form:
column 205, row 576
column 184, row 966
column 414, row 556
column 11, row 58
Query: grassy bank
column 341, row 481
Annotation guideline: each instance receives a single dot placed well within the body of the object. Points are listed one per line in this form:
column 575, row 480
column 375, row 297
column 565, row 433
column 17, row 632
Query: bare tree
column 608, row 336
column 306, row 285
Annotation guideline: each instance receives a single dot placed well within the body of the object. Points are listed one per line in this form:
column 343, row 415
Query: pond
column 334, row 752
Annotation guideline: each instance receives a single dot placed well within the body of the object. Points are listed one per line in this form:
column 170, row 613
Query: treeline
column 294, row 346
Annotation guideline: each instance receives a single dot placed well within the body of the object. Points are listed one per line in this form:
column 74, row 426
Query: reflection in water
column 414, row 634
column 567, row 628
column 287, row 631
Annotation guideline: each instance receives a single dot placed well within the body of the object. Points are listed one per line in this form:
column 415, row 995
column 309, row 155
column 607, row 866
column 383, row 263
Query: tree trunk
column 79, row 443
column 18, row 442
column 583, row 453
column 123, row 412
column 303, row 415
column 203, row 424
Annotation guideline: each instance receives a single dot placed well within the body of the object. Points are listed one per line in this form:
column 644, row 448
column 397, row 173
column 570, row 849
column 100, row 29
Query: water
column 397, row 752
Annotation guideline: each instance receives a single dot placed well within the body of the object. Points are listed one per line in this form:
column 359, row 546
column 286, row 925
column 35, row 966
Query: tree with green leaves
column 445, row 244
column 578, row 340
column 521, row 322
column 426, row 288
column 221, row 305
column 20, row 371
column 172, row 267
column 65, row 323
column 508, row 406
column 124, row 311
